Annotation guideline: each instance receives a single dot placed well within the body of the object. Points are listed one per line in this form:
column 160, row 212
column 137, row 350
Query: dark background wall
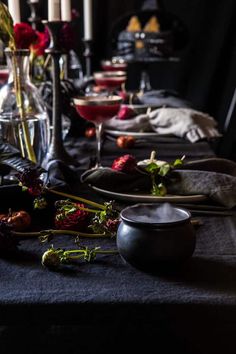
column 206, row 73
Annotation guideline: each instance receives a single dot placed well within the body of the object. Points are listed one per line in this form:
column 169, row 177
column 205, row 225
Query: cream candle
column 66, row 10
column 88, row 20
column 54, row 11
column 14, row 9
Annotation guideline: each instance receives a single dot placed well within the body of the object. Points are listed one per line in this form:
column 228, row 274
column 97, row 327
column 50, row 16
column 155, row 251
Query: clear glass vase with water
column 31, row 114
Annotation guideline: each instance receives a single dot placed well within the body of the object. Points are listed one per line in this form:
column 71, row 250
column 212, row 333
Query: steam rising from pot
column 151, row 214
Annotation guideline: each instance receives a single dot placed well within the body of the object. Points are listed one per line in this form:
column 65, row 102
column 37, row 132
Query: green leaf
column 152, row 167
column 164, row 169
column 177, row 162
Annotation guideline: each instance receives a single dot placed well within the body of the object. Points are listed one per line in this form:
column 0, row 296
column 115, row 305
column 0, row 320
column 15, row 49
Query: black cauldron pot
column 151, row 243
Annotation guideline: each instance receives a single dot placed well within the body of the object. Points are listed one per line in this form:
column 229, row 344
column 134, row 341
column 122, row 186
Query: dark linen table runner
column 110, row 307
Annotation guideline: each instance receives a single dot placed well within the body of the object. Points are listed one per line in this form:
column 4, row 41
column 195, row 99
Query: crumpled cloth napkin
column 185, row 123
column 214, row 177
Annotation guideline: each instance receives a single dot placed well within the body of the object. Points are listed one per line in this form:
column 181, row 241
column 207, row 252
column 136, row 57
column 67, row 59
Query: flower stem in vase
column 19, row 100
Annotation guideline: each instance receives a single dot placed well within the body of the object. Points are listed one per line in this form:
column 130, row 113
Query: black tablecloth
column 108, row 306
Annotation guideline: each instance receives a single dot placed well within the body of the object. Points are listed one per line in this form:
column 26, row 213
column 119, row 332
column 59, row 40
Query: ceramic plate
column 134, row 134
column 146, row 198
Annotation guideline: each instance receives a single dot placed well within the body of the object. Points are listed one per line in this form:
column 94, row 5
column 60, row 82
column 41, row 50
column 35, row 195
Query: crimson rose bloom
column 24, row 35
column 42, row 43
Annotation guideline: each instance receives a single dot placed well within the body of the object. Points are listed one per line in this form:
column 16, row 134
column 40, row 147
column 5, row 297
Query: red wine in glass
column 97, row 109
column 110, row 80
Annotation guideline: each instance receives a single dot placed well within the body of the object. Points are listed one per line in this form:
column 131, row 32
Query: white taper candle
column 66, row 10
column 54, row 10
column 88, row 20
column 14, row 9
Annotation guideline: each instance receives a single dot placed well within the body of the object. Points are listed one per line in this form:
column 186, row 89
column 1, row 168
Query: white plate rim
column 134, row 134
column 142, row 197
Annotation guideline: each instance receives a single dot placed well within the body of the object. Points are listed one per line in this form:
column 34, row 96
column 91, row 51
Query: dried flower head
column 51, row 258
column 125, row 163
column 70, row 216
column 29, row 180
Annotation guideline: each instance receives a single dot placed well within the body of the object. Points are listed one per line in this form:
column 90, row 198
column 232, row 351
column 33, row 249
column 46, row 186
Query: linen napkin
column 213, row 177
column 182, row 122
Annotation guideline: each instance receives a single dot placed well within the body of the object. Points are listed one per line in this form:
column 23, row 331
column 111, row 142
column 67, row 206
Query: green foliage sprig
column 158, row 173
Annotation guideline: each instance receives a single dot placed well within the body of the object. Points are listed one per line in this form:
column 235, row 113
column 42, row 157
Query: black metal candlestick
column 34, row 19
column 56, row 149
column 88, row 58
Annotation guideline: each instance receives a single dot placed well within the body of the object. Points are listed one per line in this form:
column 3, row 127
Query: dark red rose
column 42, row 42
column 125, row 163
column 25, row 36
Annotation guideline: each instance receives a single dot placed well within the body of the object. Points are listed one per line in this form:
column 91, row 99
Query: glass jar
column 23, row 116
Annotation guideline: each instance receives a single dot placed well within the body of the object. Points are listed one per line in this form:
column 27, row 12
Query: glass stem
column 99, row 139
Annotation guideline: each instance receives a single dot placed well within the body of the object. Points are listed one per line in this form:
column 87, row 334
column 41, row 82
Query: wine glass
column 110, row 80
column 97, row 109
column 114, row 65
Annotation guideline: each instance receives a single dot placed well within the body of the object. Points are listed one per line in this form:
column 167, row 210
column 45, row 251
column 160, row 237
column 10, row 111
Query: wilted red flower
column 125, row 163
column 112, row 225
column 72, row 219
column 29, row 179
column 25, row 35
column 43, row 40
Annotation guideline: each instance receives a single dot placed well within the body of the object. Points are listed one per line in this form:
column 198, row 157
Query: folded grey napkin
column 214, row 177
column 182, row 122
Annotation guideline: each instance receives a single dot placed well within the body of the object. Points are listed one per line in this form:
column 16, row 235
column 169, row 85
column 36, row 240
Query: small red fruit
column 125, row 163
column 90, row 132
column 125, row 141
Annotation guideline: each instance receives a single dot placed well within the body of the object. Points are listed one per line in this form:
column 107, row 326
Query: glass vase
column 24, row 122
